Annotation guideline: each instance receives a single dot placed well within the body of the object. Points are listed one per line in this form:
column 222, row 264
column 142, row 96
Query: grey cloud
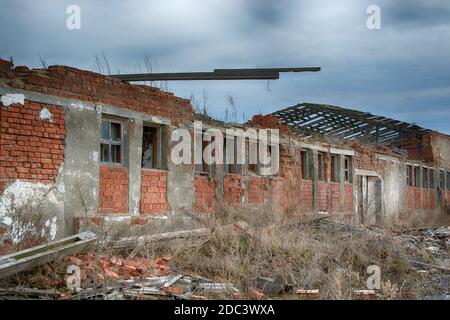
column 401, row 71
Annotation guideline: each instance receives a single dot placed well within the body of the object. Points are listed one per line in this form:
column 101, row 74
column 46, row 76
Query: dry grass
column 312, row 258
column 306, row 256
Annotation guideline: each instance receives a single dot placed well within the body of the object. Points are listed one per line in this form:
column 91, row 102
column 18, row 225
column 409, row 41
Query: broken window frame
column 110, row 142
column 425, row 179
column 307, row 173
column 203, row 168
column 231, row 168
column 448, row 180
column 269, row 155
column 409, row 175
column 335, row 168
column 348, row 168
column 431, row 179
column 442, row 179
column 321, row 166
column 158, row 138
column 417, row 177
column 252, row 168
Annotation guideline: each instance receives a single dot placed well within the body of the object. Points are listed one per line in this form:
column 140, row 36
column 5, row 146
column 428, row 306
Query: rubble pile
column 92, row 275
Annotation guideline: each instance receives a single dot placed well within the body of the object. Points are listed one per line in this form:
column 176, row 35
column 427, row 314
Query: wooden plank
column 36, row 256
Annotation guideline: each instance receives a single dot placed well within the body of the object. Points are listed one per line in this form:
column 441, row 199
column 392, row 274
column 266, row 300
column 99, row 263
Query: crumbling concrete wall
column 441, row 150
column 50, row 139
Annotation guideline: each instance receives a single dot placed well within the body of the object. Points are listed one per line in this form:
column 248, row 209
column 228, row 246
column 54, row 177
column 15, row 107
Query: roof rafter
column 348, row 124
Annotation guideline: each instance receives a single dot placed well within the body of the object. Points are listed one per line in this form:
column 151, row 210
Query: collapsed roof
column 308, row 119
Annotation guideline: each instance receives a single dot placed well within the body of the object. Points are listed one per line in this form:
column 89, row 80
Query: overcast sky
column 401, row 71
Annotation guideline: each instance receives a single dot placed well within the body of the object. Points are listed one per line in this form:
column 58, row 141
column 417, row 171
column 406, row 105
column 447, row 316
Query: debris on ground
column 239, row 261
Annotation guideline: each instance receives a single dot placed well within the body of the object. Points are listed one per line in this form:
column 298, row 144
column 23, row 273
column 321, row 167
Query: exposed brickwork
column 440, row 144
column 425, row 198
column 307, row 196
column 92, row 87
column 256, row 191
column 415, row 148
column 410, row 197
column 290, row 171
column 270, row 122
column 33, row 149
column 432, row 204
column 417, row 198
column 232, row 190
column 322, row 196
column 277, row 195
column 364, row 159
column 433, row 149
column 113, row 190
column 30, row 148
column 154, row 192
column 335, row 196
column 348, row 199
column 205, row 194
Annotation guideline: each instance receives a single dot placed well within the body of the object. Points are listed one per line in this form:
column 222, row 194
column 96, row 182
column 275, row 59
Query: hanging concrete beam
column 217, row 74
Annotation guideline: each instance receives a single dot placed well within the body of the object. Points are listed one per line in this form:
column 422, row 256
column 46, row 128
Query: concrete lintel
column 345, row 152
column 125, row 113
column 74, row 103
column 314, row 147
column 332, row 150
column 387, row 158
column 370, row 173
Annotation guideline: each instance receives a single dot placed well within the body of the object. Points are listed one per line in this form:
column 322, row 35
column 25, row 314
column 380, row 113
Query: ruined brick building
column 97, row 149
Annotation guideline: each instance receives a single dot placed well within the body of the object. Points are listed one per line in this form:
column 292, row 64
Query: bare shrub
column 29, row 224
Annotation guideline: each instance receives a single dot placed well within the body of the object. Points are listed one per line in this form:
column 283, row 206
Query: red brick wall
column 256, row 191
column 278, row 195
column 426, row 202
column 30, row 148
column 425, row 197
column 417, row 198
column 113, row 190
column 348, row 199
column 205, row 194
column 329, row 197
column 88, row 86
column 307, row 196
column 232, row 190
column 154, row 192
column 322, row 196
column 432, row 199
column 270, row 121
column 432, row 148
column 410, row 197
column 415, row 147
column 364, row 158
column 335, row 196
